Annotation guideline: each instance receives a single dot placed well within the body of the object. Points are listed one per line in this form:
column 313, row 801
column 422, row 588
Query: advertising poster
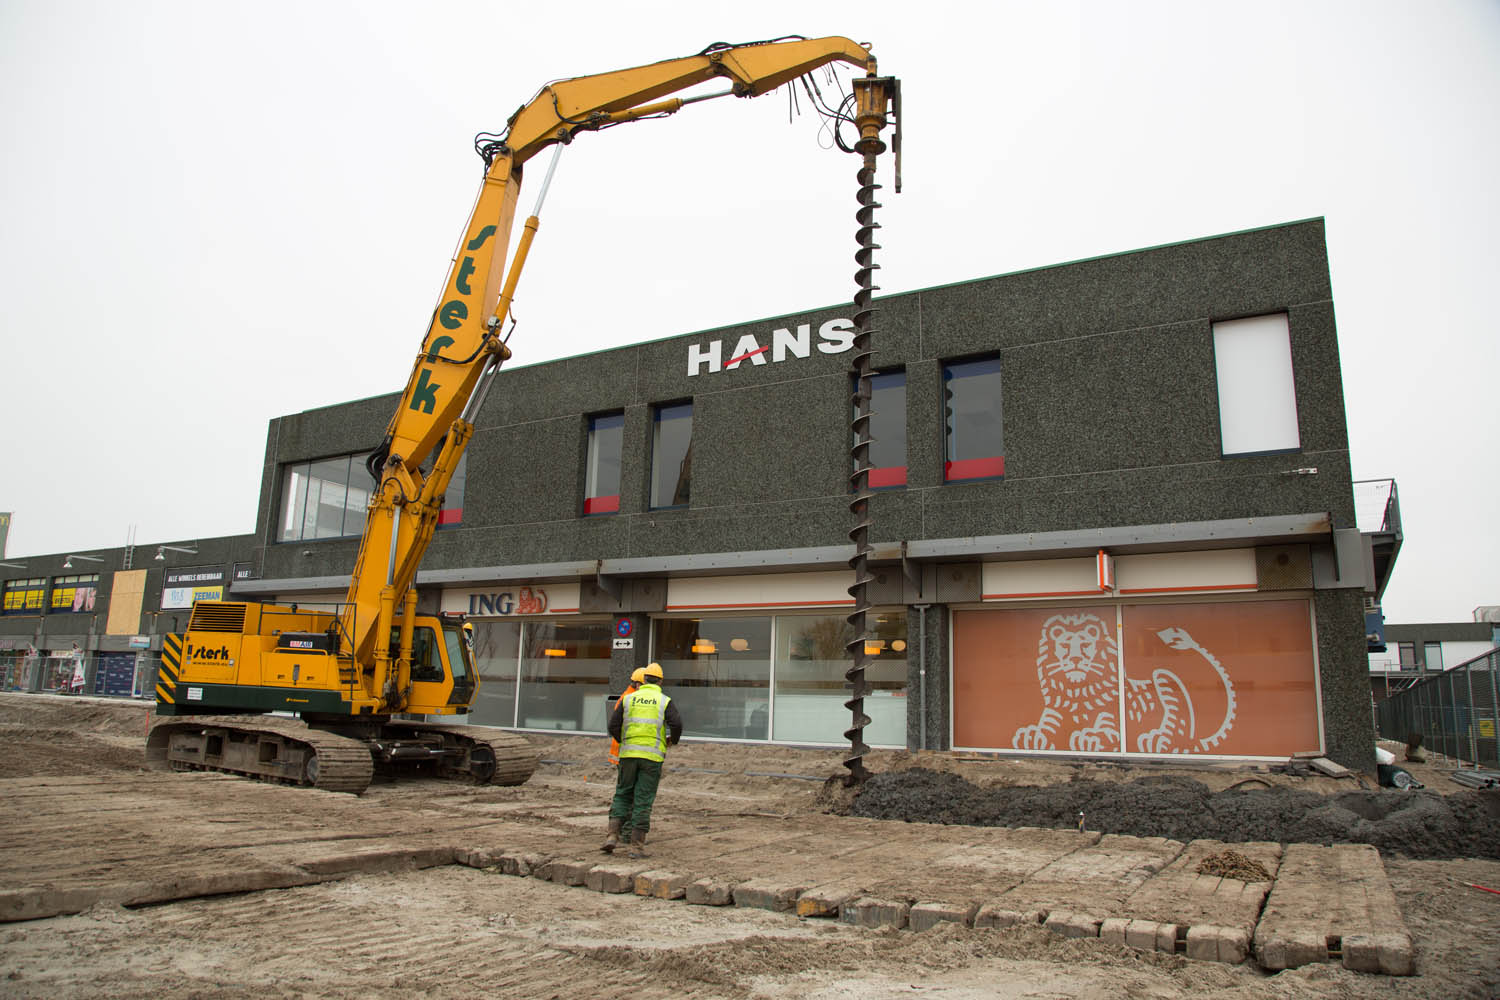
column 115, row 675
column 184, row 586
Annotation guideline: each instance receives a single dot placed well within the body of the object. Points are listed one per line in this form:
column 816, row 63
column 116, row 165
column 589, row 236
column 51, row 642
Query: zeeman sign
column 834, row 337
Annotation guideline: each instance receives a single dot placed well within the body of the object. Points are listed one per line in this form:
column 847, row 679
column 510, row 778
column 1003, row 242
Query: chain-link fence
column 1455, row 712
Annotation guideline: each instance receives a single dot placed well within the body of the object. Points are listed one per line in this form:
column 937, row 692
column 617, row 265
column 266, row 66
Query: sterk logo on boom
column 834, row 337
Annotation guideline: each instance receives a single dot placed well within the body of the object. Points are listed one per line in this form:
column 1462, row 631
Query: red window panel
column 601, row 505
column 892, row 475
column 450, row 515
column 974, row 468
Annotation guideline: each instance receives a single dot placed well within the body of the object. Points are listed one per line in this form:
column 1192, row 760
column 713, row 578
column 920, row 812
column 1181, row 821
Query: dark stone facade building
column 1112, row 514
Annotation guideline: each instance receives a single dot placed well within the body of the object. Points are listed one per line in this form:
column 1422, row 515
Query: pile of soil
column 1233, row 864
column 1419, row 824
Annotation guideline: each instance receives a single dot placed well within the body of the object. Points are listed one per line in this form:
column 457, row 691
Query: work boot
column 612, row 839
column 638, row 844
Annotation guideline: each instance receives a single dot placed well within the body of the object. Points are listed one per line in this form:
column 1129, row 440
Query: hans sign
column 834, row 337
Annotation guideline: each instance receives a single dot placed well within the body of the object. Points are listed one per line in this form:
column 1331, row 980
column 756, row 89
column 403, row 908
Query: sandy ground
column 461, row 932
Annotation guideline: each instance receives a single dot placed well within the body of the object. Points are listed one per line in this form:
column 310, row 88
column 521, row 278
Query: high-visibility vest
column 614, row 744
column 644, row 730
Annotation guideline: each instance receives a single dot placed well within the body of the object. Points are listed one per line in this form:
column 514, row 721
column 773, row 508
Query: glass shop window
column 718, row 670
column 74, row 594
column 497, row 651
column 564, row 682
column 25, row 597
column 810, row 690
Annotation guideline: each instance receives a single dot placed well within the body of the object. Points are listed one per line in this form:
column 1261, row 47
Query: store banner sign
column 184, row 586
column 175, row 598
column 834, row 337
column 507, row 601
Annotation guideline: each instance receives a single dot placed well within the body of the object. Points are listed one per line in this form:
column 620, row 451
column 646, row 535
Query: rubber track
column 515, row 759
column 344, row 764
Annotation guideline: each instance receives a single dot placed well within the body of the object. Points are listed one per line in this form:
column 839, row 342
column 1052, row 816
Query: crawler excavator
column 326, row 699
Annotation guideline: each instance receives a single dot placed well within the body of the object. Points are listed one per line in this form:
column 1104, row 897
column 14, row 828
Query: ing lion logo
column 1078, row 671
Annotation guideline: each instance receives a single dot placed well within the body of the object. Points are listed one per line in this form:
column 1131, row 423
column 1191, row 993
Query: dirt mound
column 101, row 716
column 1233, row 864
column 1413, row 824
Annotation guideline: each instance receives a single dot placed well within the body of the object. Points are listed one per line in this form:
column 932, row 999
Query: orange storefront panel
column 1230, row 678
column 1008, row 690
column 1221, row 678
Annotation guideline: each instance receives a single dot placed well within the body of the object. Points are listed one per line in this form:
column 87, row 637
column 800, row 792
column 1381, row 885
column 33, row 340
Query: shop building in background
column 1113, row 515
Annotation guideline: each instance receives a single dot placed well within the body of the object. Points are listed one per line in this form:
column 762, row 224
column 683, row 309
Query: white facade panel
column 1037, row 578
column 772, row 590
column 1215, row 570
column 1257, row 393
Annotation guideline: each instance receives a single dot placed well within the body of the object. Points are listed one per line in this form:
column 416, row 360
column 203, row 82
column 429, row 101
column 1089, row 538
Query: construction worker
column 636, row 677
column 646, row 723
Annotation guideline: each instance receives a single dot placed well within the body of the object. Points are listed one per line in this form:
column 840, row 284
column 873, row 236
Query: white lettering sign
column 834, row 337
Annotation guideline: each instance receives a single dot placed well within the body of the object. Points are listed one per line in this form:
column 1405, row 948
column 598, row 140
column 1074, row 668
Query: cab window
column 456, row 659
column 426, row 663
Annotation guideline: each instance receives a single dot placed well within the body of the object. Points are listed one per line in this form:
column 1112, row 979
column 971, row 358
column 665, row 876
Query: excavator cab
column 443, row 678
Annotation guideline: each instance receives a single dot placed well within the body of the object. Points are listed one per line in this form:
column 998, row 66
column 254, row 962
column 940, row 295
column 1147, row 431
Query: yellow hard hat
column 638, row 675
column 652, row 670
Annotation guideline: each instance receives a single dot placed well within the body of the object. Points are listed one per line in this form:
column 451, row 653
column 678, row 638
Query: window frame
column 1255, row 386
column 886, row 477
column 979, row 468
column 295, row 509
column 452, row 512
column 72, row 584
column 24, row 588
column 595, row 503
column 659, row 412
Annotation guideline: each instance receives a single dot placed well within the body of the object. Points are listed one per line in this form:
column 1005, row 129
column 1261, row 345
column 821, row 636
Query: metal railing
column 1457, row 712
column 1376, row 507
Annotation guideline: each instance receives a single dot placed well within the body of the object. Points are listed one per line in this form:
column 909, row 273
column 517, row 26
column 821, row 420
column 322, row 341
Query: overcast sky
column 215, row 213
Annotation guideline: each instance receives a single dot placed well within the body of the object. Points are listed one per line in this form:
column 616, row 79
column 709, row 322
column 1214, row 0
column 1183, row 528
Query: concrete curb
column 1383, row 953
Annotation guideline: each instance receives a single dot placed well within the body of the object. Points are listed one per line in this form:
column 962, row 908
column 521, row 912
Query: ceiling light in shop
column 554, row 652
column 874, row 646
column 898, row 645
column 739, row 645
column 704, row 646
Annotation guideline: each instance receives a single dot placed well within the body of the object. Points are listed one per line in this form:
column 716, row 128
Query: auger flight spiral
column 874, row 96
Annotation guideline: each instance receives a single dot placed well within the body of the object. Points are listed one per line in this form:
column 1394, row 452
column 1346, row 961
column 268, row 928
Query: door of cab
column 442, row 682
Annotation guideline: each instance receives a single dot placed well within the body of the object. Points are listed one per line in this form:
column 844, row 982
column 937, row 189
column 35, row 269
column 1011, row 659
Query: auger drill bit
column 872, row 95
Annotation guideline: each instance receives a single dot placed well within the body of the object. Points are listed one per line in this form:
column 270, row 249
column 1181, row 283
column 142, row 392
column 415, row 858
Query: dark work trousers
column 635, row 793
